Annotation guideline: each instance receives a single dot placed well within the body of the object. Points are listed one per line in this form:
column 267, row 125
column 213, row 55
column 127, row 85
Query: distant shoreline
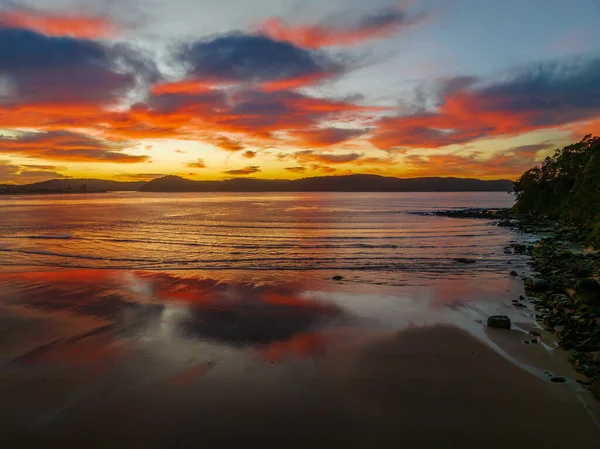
column 346, row 183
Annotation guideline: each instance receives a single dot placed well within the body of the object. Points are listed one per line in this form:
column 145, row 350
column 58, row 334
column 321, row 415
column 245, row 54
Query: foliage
column 567, row 187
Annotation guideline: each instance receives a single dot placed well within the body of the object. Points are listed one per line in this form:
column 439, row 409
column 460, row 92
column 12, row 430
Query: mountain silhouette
column 348, row 183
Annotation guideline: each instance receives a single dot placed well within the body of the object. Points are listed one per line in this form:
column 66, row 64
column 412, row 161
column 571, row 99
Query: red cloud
column 73, row 25
column 335, row 32
column 68, row 146
column 541, row 97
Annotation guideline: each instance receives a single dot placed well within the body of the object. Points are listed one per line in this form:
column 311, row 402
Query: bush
column 567, row 187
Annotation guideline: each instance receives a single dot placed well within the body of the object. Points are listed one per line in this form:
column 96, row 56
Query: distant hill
column 349, row 183
column 72, row 185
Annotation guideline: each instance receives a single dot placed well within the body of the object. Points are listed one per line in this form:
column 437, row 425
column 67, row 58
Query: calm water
column 211, row 320
column 369, row 237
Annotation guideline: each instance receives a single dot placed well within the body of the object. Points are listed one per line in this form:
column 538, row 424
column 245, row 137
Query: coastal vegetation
column 565, row 187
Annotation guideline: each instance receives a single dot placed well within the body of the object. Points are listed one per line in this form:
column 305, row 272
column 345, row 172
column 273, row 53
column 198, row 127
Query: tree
column 566, row 186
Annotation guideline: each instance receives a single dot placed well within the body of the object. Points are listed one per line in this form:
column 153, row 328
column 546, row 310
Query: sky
column 137, row 89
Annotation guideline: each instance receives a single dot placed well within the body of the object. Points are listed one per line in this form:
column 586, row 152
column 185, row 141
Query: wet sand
column 233, row 366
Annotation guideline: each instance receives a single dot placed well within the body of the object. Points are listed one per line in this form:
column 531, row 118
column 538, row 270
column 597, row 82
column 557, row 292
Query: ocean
column 211, row 320
column 367, row 237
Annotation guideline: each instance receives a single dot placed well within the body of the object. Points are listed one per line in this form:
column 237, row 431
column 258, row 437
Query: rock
column 538, row 285
column 337, row 278
column 514, row 273
column 558, row 380
column 588, row 290
column 506, row 224
column 521, row 297
column 519, row 249
column 464, row 260
column 595, row 387
column 587, row 285
column 560, row 299
column 499, row 321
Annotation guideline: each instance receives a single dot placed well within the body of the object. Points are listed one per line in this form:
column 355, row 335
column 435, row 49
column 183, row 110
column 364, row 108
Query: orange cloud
column 249, row 170
column 191, row 86
column 337, row 32
column 68, row 146
column 227, row 144
column 295, row 82
column 249, row 154
column 298, row 169
column 27, row 173
column 507, row 164
column 73, row 25
column 542, row 96
column 198, row 164
column 327, row 158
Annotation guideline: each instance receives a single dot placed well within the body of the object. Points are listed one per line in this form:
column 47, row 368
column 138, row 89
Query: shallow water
column 183, row 320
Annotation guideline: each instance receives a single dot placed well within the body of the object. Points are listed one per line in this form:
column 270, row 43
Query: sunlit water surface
column 374, row 237
column 212, row 320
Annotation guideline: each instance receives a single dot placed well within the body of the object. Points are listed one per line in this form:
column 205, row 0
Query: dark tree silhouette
column 566, row 186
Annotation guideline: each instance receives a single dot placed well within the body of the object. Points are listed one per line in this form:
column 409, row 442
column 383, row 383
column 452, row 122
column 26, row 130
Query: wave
column 412, row 259
column 49, row 237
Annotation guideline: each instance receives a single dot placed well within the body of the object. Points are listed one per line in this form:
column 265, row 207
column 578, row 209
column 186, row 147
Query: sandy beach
column 275, row 367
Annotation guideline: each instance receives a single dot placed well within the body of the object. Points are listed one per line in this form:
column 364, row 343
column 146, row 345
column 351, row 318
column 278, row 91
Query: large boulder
column 499, row 321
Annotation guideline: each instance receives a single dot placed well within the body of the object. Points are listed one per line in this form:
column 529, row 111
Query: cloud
column 240, row 58
column 24, row 174
column 542, row 96
column 255, row 114
column 65, row 71
column 53, row 24
column 323, row 168
column 326, row 158
column 296, row 169
column 249, row 170
column 140, row 176
column 323, row 137
column 249, row 154
column 342, row 30
column 68, row 146
column 530, row 150
column 198, row 164
column 509, row 163
column 227, row 144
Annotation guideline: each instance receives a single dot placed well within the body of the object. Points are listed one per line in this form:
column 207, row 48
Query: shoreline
column 565, row 287
column 383, row 367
